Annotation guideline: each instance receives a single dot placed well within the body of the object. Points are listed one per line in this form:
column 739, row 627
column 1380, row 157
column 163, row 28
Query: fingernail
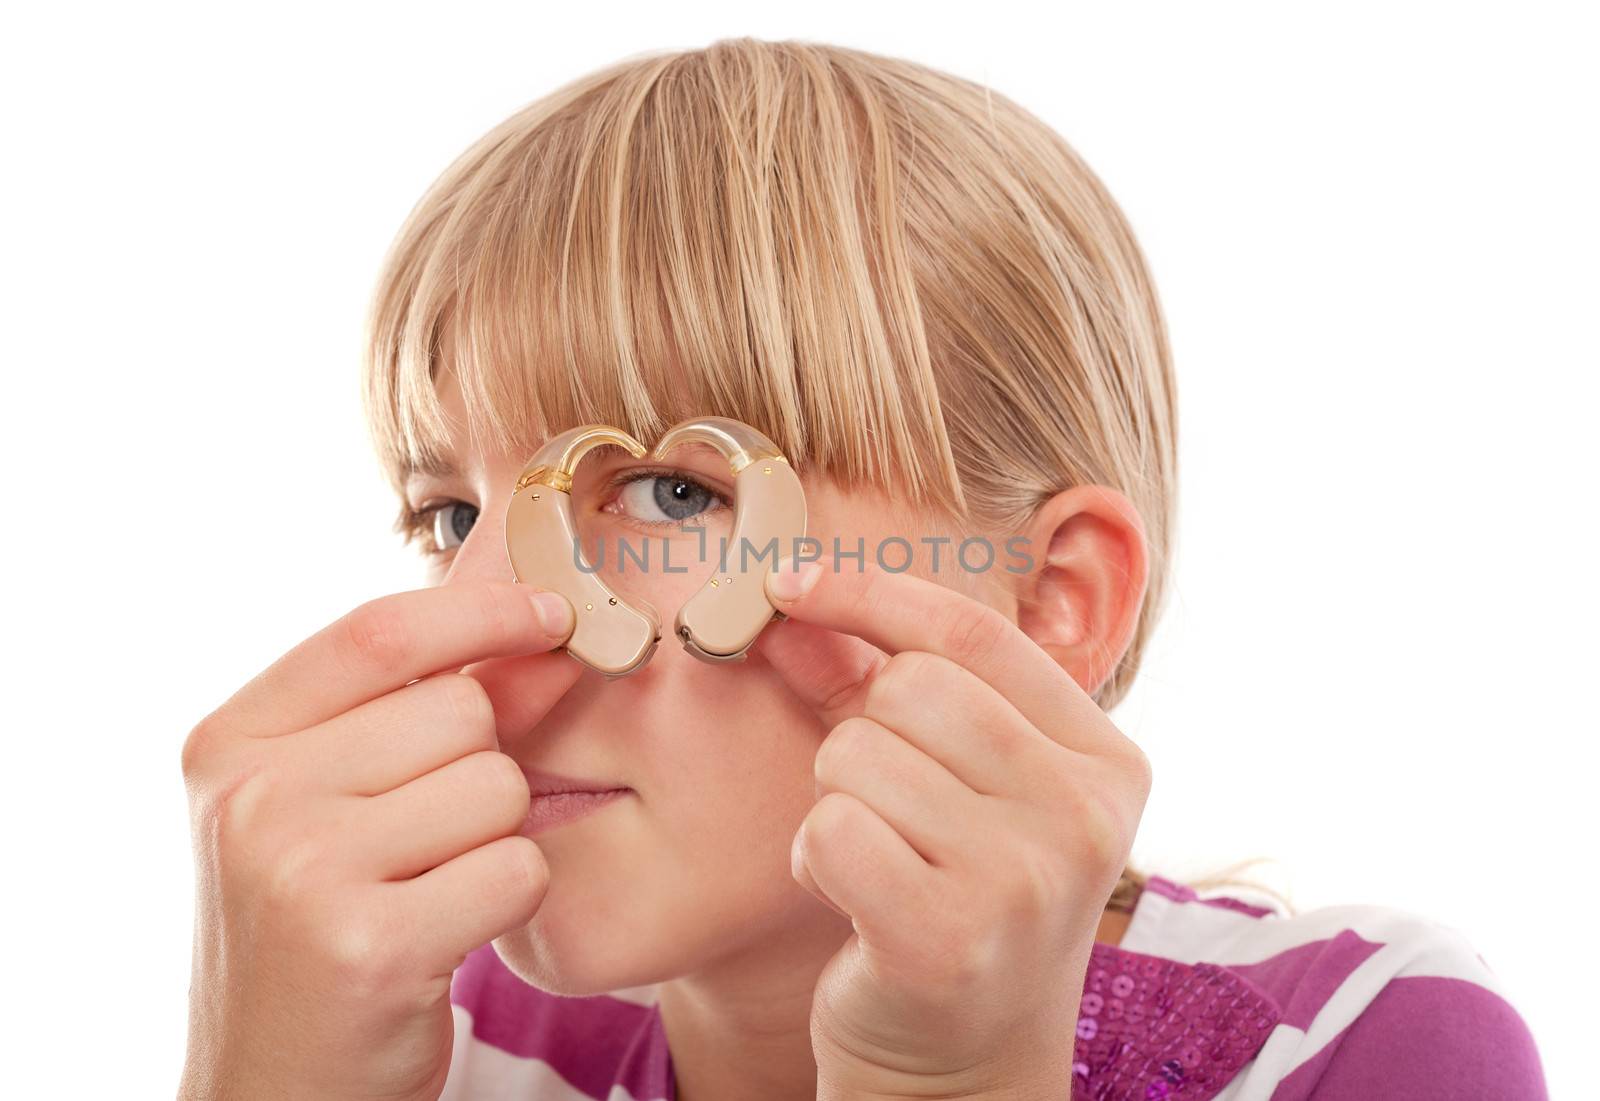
column 555, row 614
column 787, row 584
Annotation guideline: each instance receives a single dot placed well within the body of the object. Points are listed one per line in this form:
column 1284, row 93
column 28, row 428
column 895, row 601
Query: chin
column 578, row 954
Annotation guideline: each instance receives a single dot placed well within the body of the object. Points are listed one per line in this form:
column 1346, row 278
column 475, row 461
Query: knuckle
column 1104, row 829
column 503, row 777
column 235, row 807
column 871, row 590
column 224, row 812
column 1036, row 884
column 1060, row 773
column 901, row 679
column 1140, row 772
column 852, row 682
column 828, row 819
column 1009, row 744
column 378, row 635
column 200, row 746
column 842, row 751
column 973, row 630
column 293, row 874
column 467, row 701
column 361, row 956
column 960, row 956
column 522, row 869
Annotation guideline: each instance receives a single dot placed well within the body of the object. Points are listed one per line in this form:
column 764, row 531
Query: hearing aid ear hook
column 722, row 620
column 610, row 634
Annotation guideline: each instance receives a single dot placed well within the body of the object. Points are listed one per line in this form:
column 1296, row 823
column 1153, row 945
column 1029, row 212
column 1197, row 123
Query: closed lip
column 551, row 783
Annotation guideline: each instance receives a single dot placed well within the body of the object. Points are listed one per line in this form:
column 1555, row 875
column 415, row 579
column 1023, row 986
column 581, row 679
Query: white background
column 1373, row 230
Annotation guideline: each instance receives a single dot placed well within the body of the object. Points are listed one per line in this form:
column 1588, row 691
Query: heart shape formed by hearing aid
column 720, row 621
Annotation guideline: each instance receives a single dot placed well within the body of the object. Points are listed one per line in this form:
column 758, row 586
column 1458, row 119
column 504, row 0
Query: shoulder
column 515, row 1040
column 1372, row 1002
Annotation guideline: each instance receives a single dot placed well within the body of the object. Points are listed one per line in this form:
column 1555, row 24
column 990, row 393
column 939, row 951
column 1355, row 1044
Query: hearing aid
column 721, row 621
column 610, row 635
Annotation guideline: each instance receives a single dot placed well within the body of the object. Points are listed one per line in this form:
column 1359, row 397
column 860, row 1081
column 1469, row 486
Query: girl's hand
column 356, row 835
column 976, row 810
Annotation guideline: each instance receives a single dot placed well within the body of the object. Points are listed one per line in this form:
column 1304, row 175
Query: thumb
column 523, row 688
column 828, row 670
column 800, row 868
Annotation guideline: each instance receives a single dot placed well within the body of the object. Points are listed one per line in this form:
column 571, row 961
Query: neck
column 742, row 1028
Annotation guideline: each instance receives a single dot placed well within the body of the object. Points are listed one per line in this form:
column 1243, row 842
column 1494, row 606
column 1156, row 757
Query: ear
column 1081, row 598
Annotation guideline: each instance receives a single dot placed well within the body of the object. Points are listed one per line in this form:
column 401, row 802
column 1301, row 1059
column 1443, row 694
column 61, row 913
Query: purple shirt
column 1203, row 998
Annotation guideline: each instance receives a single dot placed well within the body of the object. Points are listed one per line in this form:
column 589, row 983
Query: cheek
column 736, row 780
column 733, row 744
column 731, row 755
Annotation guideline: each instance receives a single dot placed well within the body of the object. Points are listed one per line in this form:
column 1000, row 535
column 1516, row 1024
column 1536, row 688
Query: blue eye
column 666, row 498
column 452, row 521
column 438, row 529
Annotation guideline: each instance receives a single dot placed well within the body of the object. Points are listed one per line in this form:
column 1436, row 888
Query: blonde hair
column 900, row 275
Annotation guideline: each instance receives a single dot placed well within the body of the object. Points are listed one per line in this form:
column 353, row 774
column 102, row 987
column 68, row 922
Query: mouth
column 558, row 800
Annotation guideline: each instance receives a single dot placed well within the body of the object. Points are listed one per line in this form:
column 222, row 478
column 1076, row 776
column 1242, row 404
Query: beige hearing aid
column 720, row 622
column 611, row 635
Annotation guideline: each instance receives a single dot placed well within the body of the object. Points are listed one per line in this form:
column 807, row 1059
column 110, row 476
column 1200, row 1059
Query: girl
column 885, row 856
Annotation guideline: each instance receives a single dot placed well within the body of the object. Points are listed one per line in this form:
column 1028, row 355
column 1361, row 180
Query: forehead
column 467, row 451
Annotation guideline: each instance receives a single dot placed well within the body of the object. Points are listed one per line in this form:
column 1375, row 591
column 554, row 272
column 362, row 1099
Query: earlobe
column 1083, row 600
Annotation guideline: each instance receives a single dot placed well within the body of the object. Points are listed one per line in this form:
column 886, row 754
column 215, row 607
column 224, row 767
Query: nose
column 482, row 555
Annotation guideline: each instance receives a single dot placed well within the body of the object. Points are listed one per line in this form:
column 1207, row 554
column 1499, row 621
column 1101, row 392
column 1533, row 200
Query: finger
column 829, row 671
column 918, row 797
column 524, row 688
column 388, row 642
column 485, row 892
column 396, row 738
column 856, row 863
column 469, row 802
column 900, row 611
column 970, row 729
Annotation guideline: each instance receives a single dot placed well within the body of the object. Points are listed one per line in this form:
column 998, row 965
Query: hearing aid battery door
column 610, row 635
column 722, row 619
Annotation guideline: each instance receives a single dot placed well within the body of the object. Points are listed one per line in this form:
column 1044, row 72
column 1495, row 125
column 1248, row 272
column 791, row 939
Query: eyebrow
column 434, row 468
